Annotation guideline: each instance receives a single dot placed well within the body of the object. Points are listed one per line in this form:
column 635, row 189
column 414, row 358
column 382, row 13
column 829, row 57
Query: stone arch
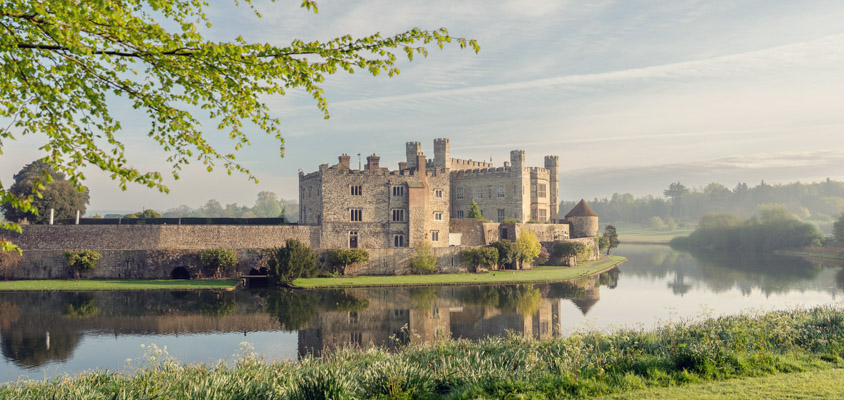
column 180, row 273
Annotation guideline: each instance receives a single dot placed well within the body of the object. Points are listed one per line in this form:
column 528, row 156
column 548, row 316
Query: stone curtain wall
column 160, row 237
column 478, row 233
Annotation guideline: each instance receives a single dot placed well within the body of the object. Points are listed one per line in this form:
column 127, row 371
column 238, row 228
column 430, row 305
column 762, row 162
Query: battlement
column 459, row 164
column 502, row 172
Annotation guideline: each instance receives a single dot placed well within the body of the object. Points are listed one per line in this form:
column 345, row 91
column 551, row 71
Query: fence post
column 52, row 214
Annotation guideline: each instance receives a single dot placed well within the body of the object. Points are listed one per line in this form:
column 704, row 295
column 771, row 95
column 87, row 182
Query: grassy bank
column 117, row 284
column 835, row 254
column 633, row 234
column 538, row 274
column 681, row 356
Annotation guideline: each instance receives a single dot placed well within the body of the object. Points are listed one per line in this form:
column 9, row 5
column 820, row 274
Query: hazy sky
column 632, row 95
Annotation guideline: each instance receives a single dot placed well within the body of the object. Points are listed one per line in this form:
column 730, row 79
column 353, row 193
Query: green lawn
column 824, row 384
column 116, row 284
column 534, row 275
column 636, row 234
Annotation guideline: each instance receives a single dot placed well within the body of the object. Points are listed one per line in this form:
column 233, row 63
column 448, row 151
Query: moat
column 48, row 333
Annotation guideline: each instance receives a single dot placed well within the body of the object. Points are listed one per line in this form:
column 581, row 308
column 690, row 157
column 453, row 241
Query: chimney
column 372, row 163
column 421, row 163
column 344, row 160
column 402, row 166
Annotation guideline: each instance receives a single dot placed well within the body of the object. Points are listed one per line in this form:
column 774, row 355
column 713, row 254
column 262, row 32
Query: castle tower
column 552, row 164
column 583, row 221
column 412, row 149
column 441, row 154
column 372, row 163
column 517, row 159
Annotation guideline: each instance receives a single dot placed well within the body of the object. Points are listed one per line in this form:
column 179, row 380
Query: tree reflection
column 522, row 299
column 294, row 309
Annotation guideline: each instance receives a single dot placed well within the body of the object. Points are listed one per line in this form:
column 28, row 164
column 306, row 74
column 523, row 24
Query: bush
column 773, row 228
column 220, row 259
column 82, row 260
column 339, row 259
column 293, row 261
column 424, row 261
column 482, row 257
column 508, row 253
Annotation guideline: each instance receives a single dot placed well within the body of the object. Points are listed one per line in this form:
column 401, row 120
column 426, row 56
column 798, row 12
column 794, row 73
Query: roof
column 582, row 210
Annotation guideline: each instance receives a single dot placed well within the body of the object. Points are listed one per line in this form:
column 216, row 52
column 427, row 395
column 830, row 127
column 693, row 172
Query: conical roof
column 582, row 210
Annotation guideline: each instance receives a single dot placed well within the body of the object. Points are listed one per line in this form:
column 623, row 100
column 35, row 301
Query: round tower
column 583, row 221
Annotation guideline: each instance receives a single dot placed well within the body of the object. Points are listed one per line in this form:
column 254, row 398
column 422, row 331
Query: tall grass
column 579, row 366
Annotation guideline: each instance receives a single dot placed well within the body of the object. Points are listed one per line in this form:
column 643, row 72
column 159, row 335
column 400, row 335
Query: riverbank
column 117, row 284
column 680, row 360
column 825, row 253
column 631, row 234
column 537, row 274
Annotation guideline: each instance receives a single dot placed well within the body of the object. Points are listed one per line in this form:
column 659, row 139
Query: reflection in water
column 39, row 329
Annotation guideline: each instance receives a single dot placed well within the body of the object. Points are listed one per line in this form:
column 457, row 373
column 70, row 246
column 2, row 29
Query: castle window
column 353, row 317
column 398, row 191
column 398, row 215
column 356, row 214
column 435, row 236
column 533, row 215
column 543, row 215
column 356, row 190
column 501, row 192
column 356, row 338
column 353, row 239
column 478, row 192
column 500, row 215
column 532, row 190
column 540, row 192
column 459, row 194
column 398, row 240
column 459, row 213
column 438, row 193
column 438, row 216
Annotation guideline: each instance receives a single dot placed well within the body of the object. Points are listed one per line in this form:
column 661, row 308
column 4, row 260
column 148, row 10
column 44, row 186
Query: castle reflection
column 38, row 328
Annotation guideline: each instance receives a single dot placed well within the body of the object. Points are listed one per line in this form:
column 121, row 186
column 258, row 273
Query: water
column 48, row 333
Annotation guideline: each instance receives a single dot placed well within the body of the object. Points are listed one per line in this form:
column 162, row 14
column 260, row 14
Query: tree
column 67, row 62
column 482, row 257
column 474, row 211
column 51, row 190
column 220, row 260
column 675, row 192
column 341, row 258
column 148, row 213
column 267, row 205
column 508, row 253
column 838, row 230
column 293, row 261
column 529, row 246
column 569, row 250
column 612, row 238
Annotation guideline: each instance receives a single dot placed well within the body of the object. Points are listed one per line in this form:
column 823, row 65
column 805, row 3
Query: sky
column 632, row 95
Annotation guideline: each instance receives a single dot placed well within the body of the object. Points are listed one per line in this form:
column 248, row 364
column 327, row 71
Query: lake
column 43, row 334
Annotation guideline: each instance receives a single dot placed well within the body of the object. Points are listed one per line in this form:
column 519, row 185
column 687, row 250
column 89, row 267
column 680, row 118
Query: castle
column 424, row 200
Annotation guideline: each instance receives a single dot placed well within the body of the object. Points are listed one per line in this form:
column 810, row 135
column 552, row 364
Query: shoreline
column 115, row 285
column 605, row 264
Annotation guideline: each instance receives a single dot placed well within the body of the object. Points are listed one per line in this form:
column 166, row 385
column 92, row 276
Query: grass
column 116, row 284
column 742, row 356
column 824, row 384
column 633, row 234
column 807, row 252
column 538, row 274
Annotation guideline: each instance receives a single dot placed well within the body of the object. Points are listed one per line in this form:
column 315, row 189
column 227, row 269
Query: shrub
column 339, row 259
column 543, row 257
column 424, row 261
column 529, row 246
column 220, row 259
column 508, row 253
column 82, row 260
column 482, row 257
column 474, row 211
column 293, row 261
column 510, row 221
column 567, row 250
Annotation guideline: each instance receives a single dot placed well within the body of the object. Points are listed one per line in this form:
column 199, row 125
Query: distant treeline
column 774, row 228
column 267, row 205
column 820, row 202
